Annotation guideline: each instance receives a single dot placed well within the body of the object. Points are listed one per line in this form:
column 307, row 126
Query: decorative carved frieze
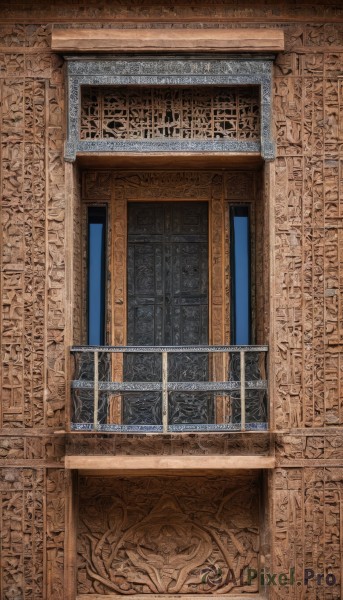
column 161, row 72
column 129, row 113
column 168, row 445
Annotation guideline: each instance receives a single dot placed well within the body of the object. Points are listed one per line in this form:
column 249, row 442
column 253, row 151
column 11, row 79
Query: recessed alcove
column 169, row 535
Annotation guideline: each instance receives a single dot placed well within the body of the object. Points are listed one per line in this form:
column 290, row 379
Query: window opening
column 96, row 275
column 240, row 275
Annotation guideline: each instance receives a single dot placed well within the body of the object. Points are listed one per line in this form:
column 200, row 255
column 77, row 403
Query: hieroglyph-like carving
column 178, row 113
column 22, row 532
column 33, row 229
column 191, row 114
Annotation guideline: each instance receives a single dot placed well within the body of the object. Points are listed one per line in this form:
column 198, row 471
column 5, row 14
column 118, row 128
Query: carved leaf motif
column 157, row 535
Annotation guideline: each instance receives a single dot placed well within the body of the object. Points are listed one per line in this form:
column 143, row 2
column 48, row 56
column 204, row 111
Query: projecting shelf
column 154, row 464
column 167, row 40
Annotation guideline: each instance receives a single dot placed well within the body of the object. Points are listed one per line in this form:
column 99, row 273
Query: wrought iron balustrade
column 169, row 389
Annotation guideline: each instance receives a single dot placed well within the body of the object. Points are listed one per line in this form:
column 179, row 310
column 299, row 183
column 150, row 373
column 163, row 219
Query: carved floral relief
column 167, row 535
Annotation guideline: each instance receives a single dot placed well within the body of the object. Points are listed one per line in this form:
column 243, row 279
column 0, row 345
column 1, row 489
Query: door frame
column 170, row 187
column 210, row 190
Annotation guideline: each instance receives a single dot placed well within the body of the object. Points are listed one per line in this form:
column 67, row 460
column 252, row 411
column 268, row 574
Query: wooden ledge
column 167, row 40
column 167, row 596
column 164, row 464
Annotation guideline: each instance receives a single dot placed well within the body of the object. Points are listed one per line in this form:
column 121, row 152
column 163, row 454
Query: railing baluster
column 224, row 397
column 165, row 391
column 96, row 388
column 242, row 373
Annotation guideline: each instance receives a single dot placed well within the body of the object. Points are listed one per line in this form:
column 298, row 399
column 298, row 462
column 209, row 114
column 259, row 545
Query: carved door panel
column 167, row 305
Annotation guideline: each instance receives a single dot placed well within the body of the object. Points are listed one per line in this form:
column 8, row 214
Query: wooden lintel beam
column 167, row 40
column 152, row 464
column 162, row 597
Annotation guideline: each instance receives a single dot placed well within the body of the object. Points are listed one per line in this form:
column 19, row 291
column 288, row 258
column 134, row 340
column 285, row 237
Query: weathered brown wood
column 157, row 597
column 73, row 317
column 160, row 515
column 168, row 463
column 72, row 501
column 180, row 161
column 167, row 40
column 268, row 196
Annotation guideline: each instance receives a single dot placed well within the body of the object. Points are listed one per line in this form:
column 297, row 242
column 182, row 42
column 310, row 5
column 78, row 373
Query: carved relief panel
column 136, row 113
column 168, row 535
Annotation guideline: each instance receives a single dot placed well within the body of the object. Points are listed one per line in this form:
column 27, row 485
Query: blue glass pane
column 96, row 291
column 241, row 280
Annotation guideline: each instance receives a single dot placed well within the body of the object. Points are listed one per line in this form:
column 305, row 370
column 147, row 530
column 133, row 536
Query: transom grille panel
column 181, row 113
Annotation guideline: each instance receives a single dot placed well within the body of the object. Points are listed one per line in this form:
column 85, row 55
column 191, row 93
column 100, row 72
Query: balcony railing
column 169, row 388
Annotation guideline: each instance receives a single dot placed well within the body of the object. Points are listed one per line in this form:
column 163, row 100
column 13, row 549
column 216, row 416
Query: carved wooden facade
column 300, row 516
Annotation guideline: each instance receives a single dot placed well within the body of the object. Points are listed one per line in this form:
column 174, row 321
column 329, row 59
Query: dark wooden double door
column 167, row 282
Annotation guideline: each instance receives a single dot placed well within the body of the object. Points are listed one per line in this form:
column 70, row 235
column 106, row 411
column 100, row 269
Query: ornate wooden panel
column 167, row 305
column 167, row 535
column 170, row 112
column 32, row 532
column 169, row 186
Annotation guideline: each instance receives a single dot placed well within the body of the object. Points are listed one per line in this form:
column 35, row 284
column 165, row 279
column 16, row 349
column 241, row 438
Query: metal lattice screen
column 181, row 113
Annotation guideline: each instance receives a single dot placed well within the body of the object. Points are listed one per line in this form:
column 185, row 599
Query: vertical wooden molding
column 45, row 530
column 118, row 228
column 71, row 517
column 1, row 257
column 226, row 250
column 217, row 286
column 46, row 234
column 266, row 520
column 269, row 196
column 341, row 538
column 117, row 299
column 69, row 279
column 217, row 280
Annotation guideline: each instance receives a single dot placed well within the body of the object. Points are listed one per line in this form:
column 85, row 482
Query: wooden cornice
column 167, row 40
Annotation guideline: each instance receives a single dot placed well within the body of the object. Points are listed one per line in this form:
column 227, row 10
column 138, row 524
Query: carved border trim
column 168, row 71
column 159, row 349
column 112, row 428
column 172, row 386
